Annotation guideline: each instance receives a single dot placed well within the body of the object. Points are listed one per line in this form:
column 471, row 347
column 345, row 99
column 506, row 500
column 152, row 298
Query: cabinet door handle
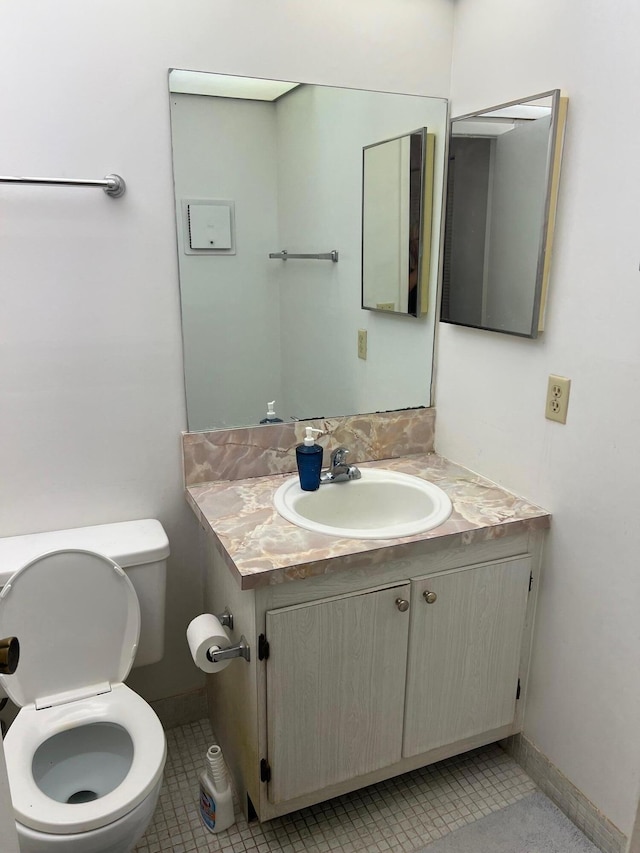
column 429, row 597
column 402, row 604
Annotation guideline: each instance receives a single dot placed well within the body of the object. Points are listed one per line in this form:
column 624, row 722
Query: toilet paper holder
column 9, row 655
column 241, row 650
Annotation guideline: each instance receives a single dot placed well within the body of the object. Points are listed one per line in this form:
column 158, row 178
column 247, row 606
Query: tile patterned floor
column 400, row 815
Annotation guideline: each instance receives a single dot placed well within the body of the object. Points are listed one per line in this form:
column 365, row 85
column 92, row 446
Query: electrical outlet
column 557, row 398
column 386, row 306
column 362, row 343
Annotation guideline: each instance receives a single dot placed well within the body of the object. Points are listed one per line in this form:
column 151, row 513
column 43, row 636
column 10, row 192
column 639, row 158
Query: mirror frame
column 559, row 104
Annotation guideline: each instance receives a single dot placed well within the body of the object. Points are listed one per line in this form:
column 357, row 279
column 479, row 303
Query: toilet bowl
column 85, row 754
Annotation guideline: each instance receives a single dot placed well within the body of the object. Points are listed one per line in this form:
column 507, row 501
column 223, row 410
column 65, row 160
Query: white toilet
column 85, row 754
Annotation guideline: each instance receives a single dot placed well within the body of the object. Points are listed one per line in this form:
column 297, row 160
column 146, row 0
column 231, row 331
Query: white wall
column 584, row 704
column 91, row 383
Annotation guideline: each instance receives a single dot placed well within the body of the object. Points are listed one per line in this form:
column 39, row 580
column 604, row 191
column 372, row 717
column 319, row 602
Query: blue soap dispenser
column 309, row 459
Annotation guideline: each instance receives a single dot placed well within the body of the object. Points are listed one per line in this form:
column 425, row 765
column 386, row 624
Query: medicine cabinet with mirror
column 502, row 185
column 276, row 166
column 397, row 205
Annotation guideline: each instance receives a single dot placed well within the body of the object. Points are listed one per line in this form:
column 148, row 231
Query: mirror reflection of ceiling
column 259, row 171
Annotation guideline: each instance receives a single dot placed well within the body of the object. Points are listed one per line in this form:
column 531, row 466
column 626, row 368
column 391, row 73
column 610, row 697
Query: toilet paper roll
column 204, row 632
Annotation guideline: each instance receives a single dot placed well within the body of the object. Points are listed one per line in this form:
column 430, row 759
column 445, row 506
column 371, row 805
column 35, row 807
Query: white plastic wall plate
column 208, row 227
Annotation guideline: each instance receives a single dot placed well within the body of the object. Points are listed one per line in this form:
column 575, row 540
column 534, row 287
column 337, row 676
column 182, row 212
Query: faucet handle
column 339, row 456
column 339, row 470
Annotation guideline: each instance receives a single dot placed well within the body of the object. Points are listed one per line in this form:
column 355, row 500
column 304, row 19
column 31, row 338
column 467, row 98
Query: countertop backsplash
column 238, row 454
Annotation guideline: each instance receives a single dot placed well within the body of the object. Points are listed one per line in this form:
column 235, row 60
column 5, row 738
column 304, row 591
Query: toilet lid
column 77, row 618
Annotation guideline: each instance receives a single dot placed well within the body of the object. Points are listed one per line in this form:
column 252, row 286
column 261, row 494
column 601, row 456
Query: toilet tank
column 140, row 548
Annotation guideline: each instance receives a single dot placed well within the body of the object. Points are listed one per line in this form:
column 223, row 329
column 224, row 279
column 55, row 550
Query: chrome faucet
column 339, row 471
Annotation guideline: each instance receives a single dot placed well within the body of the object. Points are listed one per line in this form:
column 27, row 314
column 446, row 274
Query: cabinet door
column 335, row 689
column 464, row 653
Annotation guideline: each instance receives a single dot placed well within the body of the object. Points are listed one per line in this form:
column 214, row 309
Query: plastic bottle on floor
column 216, row 799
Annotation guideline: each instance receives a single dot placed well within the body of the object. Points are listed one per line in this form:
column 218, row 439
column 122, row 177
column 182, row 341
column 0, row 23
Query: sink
column 382, row 504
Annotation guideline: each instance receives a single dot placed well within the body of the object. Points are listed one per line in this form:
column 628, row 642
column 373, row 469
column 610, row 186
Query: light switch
column 210, row 226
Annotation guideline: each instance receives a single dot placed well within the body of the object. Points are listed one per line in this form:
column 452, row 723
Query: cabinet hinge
column 265, row 770
column 263, row 647
column 518, row 691
column 530, row 580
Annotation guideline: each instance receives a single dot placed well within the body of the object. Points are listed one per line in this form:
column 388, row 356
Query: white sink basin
column 381, row 505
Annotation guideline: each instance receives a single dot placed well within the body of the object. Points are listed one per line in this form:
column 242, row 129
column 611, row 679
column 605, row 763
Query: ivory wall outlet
column 362, row 343
column 557, row 398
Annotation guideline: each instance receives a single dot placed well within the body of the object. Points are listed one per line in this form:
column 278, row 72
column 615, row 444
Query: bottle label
column 207, row 809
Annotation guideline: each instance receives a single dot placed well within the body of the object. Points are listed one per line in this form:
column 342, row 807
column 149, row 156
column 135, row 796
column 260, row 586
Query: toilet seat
column 31, row 728
column 77, row 617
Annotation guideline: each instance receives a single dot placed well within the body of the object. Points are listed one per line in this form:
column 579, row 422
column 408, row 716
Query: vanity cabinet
column 357, row 676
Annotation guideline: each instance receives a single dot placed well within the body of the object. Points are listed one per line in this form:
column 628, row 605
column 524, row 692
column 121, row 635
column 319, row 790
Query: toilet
column 85, row 754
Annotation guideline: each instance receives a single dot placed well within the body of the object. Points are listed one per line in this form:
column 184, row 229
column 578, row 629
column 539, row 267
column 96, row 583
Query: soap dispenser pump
column 271, row 418
column 309, row 459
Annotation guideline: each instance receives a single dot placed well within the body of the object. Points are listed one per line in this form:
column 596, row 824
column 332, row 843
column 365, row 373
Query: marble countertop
column 260, row 547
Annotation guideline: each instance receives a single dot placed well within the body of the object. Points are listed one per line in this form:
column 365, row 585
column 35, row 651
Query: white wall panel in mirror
column 397, row 205
column 257, row 329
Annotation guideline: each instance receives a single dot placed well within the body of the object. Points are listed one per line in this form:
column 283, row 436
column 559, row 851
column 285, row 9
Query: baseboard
column 565, row 795
column 181, row 709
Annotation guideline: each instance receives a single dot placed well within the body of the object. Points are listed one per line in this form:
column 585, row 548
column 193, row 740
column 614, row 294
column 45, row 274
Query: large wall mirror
column 504, row 165
column 265, row 171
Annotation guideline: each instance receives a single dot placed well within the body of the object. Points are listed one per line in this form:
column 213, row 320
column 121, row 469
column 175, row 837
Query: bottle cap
column 309, row 440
